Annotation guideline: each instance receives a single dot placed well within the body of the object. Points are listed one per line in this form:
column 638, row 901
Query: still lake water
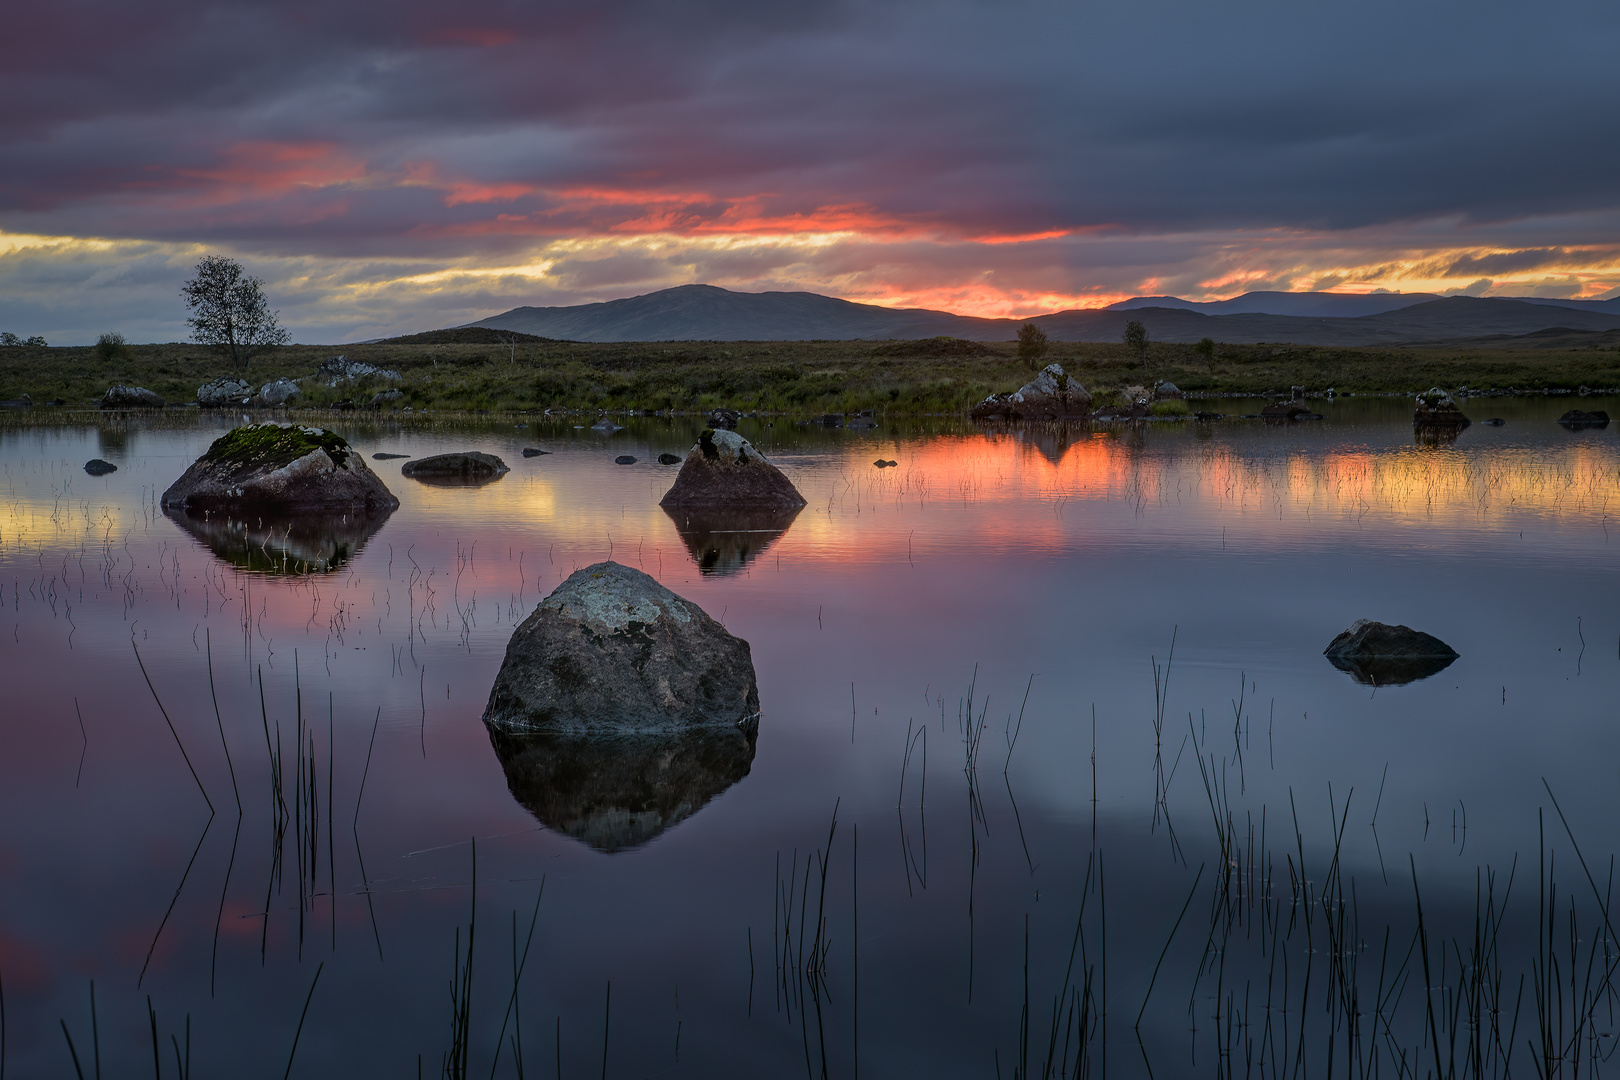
column 962, row 907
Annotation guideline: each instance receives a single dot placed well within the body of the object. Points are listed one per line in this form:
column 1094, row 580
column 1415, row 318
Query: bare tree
column 229, row 311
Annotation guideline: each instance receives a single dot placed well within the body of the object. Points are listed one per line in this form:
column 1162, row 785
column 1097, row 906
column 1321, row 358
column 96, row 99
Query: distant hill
column 464, row 335
column 1315, row 305
column 708, row 313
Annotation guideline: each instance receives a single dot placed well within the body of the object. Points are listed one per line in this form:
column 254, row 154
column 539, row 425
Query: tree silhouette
column 229, row 311
column 1032, row 344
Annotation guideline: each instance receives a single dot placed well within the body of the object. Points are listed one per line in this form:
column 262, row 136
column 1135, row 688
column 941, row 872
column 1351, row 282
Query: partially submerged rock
column 97, row 467
column 1051, row 395
column 612, row 652
column 724, row 418
column 669, row 459
column 1168, row 391
column 618, row 792
column 466, row 469
column 725, row 541
column 1379, row 654
column 279, row 467
column 130, row 397
column 1435, row 408
column 223, row 393
column 534, row 451
column 625, row 459
column 1577, row 419
column 725, row 471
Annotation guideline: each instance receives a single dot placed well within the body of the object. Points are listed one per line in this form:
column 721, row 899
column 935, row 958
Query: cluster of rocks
column 1051, row 395
column 336, row 370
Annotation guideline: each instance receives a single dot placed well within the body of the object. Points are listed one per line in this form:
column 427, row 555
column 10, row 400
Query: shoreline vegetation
column 443, row 371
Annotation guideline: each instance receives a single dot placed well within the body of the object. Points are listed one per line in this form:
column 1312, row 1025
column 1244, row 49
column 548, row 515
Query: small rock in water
column 520, row 427
column 387, row 457
column 532, row 451
column 880, row 463
column 624, row 459
column 1577, row 418
column 606, row 426
column 471, row 467
column 1495, row 421
column 97, row 467
column 724, row 418
column 668, row 459
column 1378, row 654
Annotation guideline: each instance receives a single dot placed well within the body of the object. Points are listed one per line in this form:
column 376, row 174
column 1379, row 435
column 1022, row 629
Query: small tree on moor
column 229, row 311
column 1136, row 339
column 1031, row 344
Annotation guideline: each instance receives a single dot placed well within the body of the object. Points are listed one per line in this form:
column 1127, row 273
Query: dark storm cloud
column 402, row 126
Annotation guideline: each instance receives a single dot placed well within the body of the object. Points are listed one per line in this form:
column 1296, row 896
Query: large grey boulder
column 1379, row 654
column 223, row 393
column 724, row 471
column 279, row 468
column 1051, row 395
column 612, row 652
column 467, row 469
column 276, row 393
column 130, row 397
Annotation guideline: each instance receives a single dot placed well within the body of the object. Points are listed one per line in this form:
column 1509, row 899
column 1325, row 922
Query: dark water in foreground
column 1033, row 867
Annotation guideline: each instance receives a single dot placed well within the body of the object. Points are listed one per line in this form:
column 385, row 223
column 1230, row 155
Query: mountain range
column 710, row 313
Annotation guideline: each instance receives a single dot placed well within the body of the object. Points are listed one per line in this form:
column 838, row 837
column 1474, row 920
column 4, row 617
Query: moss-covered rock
column 280, row 468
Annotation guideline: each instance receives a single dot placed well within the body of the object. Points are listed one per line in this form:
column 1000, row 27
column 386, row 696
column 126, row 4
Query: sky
column 389, row 168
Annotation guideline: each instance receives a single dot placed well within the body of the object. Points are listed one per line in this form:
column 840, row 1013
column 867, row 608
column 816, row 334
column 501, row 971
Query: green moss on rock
column 274, row 445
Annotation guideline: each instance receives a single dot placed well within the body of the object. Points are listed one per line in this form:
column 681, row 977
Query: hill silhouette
column 710, row 313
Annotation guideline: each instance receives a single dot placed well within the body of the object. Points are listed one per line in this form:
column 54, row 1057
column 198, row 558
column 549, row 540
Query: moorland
column 472, row 369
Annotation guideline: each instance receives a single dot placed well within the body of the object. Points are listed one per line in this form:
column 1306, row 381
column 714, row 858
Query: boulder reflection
column 725, row 541
column 618, row 792
column 1391, row 670
column 315, row 543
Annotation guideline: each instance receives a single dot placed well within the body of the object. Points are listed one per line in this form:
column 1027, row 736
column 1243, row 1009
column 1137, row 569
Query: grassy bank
column 937, row 376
